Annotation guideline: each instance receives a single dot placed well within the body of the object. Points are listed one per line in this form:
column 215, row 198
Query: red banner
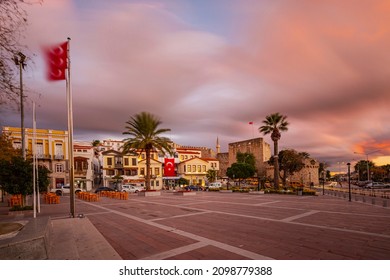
column 169, row 167
column 56, row 59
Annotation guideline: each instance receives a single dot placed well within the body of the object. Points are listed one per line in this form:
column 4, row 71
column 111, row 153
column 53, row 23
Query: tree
column 145, row 136
column 95, row 143
column 182, row 182
column 16, row 173
column 13, row 21
column 16, row 176
column 211, row 175
column 361, row 167
column 7, row 151
column 248, row 158
column 240, row 170
column 274, row 124
column 290, row 162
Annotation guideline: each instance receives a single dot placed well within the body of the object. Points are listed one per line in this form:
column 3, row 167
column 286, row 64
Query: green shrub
column 21, row 208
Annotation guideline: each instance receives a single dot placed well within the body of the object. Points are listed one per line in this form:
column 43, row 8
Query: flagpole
column 70, row 134
column 34, row 163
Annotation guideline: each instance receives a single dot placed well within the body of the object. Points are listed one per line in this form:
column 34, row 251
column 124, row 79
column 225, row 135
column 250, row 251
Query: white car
column 132, row 188
column 65, row 190
column 376, row 185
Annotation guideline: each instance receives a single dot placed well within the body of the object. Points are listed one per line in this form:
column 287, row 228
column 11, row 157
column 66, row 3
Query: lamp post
column 323, row 182
column 349, row 180
column 19, row 60
column 368, row 167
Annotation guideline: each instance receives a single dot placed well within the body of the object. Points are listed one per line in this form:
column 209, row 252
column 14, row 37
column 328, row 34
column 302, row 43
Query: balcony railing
column 58, row 156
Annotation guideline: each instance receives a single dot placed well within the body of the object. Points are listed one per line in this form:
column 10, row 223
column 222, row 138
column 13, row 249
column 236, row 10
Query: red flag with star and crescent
column 169, row 167
column 56, row 59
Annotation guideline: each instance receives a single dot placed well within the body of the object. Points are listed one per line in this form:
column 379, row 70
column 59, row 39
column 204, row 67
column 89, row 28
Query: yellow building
column 119, row 168
column 195, row 169
column 156, row 173
column 51, row 150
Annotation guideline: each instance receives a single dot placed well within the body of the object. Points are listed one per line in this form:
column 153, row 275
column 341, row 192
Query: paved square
column 241, row 226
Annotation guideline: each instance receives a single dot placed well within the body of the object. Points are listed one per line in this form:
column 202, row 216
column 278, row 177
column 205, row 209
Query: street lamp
column 368, row 167
column 20, row 61
column 349, row 180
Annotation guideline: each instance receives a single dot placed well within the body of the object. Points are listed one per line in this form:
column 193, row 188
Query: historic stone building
column 309, row 174
column 260, row 149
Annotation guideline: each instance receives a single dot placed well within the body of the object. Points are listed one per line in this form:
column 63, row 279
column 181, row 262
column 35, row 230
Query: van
column 132, row 188
column 215, row 185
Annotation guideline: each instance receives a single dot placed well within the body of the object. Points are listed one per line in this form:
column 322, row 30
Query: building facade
column 195, row 169
column 51, row 150
column 307, row 175
column 260, row 149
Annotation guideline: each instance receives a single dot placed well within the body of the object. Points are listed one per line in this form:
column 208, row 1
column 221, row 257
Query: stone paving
column 236, row 226
column 241, row 226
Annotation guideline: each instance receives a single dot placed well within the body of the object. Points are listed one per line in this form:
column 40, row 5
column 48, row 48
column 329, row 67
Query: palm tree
column 145, row 136
column 274, row 124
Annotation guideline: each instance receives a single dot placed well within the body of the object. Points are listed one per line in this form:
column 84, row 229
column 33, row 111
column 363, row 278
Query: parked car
column 215, row 185
column 193, row 188
column 100, row 189
column 376, row 185
column 65, row 189
column 132, row 188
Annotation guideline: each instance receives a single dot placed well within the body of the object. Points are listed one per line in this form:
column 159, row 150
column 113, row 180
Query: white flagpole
column 70, row 136
column 37, row 166
column 34, row 164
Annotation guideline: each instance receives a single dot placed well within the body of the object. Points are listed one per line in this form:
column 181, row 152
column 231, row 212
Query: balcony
column 42, row 156
column 119, row 165
column 80, row 173
column 58, row 156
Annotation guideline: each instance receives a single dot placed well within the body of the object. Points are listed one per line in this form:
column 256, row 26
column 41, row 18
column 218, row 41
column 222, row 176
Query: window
column 199, row 168
column 17, row 144
column 59, row 154
column 109, row 161
column 157, row 183
column 156, row 171
column 204, row 168
column 134, row 161
column 126, row 161
column 142, row 171
column 189, row 168
column 110, row 172
column 59, row 168
column 194, row 168
column 39, row 150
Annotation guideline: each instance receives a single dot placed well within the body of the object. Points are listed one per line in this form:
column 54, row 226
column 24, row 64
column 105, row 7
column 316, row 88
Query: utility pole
column 20, row 61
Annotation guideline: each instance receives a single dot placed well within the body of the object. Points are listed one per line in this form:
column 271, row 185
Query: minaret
column 218, row 146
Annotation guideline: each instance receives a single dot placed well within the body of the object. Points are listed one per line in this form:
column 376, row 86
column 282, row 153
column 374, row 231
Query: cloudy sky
column 207, row 68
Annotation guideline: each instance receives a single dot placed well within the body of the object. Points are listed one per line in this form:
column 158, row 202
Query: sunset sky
column 207, row 68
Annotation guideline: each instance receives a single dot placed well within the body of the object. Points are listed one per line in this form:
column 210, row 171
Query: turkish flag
column 56, row 59
column 169, row 167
